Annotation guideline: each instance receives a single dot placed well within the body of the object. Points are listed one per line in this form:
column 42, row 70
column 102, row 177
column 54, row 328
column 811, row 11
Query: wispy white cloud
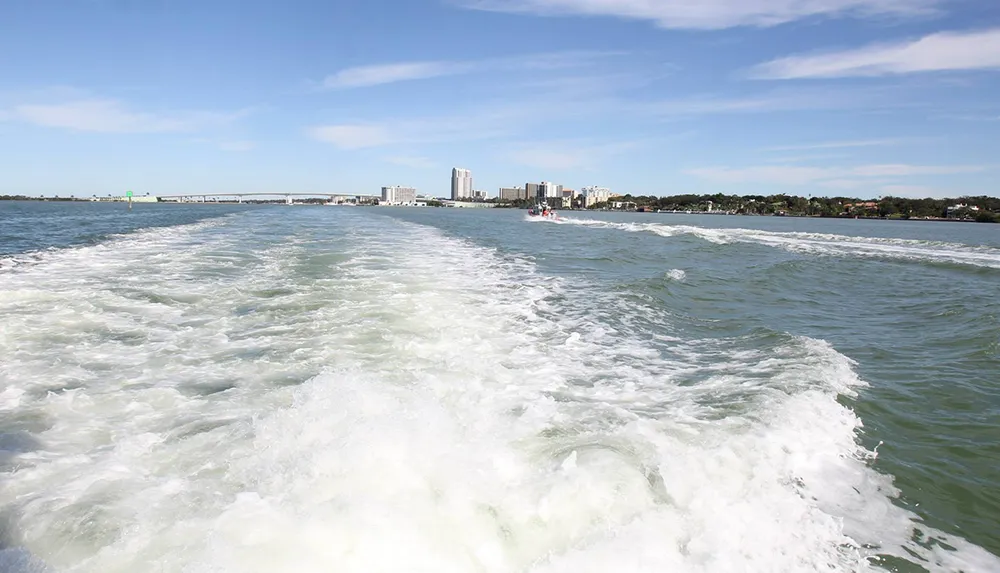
column 549, row 159
column 779, row 174
column 843, row 144
column 111, row 116
column 237, row 145
column 903, row 170
column 836, row 177
column 380, row 74
column 364, row 76
column 415, row 161
column 97, row 115
column 227, row 144
column 712, row 14
column 354, row 136
column 555, row 104
column 572, row 85
column 412, row 131
column 550, row 60
column 710, row 105
column 564, row 155
column 913, row 191
column 491, row 120
column 805, row 158
column 970, row 117
column 848, row 184
column 785, row 100
column 975, row 50
column 700, row 106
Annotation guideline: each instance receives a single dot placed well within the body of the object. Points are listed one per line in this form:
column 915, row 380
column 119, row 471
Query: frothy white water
column 538, row 219
column 819, row 243
column 388, row 398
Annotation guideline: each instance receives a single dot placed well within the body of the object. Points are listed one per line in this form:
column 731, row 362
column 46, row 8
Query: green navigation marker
column 128, row 193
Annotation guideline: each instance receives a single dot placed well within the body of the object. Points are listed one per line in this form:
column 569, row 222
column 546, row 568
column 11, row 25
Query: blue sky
column 822, row 97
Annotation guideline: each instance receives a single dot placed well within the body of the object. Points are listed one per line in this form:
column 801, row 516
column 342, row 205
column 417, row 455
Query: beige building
column 593, row 195
column 513, row 193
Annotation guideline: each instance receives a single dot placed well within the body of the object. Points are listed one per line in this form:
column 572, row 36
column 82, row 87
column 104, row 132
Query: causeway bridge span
column 289, row 197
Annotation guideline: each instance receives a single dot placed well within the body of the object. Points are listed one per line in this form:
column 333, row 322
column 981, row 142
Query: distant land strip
column 982, row 209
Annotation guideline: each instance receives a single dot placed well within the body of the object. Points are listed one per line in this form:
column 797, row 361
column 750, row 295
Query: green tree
column 886, row 207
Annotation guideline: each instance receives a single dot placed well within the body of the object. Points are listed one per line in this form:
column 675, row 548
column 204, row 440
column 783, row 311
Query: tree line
column 26, row 198
column 781, row 204
column 980, row 208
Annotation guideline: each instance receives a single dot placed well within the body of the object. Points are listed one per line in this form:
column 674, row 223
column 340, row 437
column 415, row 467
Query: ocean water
column 211, row 388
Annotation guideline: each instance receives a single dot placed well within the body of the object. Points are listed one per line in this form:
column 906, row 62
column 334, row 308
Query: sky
column 856, row 98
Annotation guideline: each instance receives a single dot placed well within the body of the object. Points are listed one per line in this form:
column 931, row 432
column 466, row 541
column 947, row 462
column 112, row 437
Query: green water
column 210, row 388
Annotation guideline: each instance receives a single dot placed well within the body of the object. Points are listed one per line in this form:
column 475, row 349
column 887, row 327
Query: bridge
column 204, row 197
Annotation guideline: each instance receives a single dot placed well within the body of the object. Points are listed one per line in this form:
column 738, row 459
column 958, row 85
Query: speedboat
column 542, row 211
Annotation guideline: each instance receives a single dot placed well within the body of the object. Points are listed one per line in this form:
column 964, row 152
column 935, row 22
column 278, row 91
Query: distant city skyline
column 861, row 98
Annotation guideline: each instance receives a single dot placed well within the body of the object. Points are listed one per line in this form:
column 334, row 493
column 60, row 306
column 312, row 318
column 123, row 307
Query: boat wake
column 378, row 396
column 820, row 243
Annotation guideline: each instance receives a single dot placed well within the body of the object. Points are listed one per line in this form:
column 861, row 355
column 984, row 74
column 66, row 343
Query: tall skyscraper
column 461, row 184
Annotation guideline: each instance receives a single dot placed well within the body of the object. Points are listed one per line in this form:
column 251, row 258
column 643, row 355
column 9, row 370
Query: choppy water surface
column 375, row 389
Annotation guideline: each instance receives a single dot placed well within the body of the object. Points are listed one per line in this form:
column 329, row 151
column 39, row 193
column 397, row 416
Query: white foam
column 820, row 243
column 457, row 411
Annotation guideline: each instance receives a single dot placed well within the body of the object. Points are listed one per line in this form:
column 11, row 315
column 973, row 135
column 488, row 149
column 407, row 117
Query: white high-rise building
column 461, row 184
column 549, row 190
column 397, row 195
column 544, row 191
column 594, row 195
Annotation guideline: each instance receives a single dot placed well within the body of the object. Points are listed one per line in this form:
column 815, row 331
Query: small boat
column 542, row 211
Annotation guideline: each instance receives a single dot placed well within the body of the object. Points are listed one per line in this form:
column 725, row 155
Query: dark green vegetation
column 982, row 209
column 26, row 198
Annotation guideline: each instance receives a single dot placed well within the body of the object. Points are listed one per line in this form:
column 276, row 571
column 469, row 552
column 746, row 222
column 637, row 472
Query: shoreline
column 572, row 210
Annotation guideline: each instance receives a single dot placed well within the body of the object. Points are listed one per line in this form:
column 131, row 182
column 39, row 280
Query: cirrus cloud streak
column 380, row 74
column 831, row 177
column 112, row 116
column 713, row 14
column 944, row 51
